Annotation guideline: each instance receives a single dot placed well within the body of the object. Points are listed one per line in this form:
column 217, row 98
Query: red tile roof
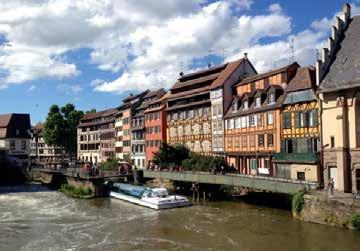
column 226, row 73
column 303, row 79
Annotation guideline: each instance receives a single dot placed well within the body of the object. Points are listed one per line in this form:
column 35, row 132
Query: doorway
column 333, row 175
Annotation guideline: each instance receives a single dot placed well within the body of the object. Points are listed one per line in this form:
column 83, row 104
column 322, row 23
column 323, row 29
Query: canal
column 35, row 218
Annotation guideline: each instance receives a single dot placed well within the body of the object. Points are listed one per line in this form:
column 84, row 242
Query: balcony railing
column 296, row 157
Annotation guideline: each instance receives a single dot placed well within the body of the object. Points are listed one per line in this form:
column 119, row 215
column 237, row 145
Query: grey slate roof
column 344, row 71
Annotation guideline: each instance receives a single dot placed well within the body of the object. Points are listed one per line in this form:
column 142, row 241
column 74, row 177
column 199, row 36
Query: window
column 270, row 139
column 237, row 123
column 231, row 124
column 271, row 99
column 300, row 175
column 12, row 145
column 258, row 102
column 287, row 120
column 230, row 142
column 243, row 122
column 253, row 164
column 246, row 105
column 303, row 119
column 313, row 118
column 261, row 120
column 332, row 141
column 270, row 118
column 287, row 146
column 252, row 121
column 261, row 140
column 23, row 145
column 214, row 110
column 234, row 106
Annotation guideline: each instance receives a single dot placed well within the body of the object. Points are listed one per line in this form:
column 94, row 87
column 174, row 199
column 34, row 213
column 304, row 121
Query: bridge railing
column 252, row 181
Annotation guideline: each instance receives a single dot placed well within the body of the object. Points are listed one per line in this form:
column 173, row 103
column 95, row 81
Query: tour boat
column 155, row 198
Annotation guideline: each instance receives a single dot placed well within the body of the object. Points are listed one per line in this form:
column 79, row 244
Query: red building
column 155, row 126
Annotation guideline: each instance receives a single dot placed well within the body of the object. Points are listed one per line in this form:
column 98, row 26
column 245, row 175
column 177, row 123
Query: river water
column 34, row 218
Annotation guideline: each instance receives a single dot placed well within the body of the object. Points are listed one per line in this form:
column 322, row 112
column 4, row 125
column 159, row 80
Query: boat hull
column 150, row 204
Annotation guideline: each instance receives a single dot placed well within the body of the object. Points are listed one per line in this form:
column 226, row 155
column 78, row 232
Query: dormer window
column 234, row 106
column 258, row 102
column 246, row 105
column 271, row 99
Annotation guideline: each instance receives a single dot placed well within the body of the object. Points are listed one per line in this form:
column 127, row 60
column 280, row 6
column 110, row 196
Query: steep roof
column 344, row 70
column 226, row 73
column 256, row 77
column 132, row 97
column 14, row 125
column 304, row 79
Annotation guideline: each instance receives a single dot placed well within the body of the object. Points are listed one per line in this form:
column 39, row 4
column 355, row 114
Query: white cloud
column 275, row 8
column 143, row 41
column 31, row 88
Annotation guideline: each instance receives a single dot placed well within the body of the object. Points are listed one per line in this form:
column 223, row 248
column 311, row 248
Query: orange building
column 155, row 126
column 253, row 122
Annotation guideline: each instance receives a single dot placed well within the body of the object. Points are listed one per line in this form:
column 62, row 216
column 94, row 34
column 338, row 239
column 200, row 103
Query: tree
column 170, row 156
column 54, row 127
column 60, row 128
column 93, row 110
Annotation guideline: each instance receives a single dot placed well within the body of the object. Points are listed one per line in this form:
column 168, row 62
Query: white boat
column 155, row 198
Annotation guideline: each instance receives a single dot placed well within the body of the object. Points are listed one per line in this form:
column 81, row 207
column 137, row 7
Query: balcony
column 296, row 157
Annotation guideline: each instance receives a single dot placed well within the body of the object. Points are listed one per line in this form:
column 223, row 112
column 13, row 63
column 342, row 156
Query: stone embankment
column 336, row 211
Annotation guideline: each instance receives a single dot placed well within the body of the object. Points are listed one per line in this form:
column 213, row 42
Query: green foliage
column 201, row 163
column 60, row 127
column 171, row 156
column 298, row 202
column 76, row 192
column 355, row 221
column 110, row 164
column 91, row 111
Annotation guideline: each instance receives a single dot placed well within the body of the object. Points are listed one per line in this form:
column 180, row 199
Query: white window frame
column 270, row 118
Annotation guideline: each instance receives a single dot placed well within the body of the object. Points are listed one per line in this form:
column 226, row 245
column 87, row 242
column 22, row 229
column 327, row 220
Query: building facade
column 138, row 143
column 155, row 126
column 44, row 154
column 189, row 119
column 338, row 73
column 253, row 122
column 15, row 137
column 221, row 97
column 300, row 130
column 96, row 136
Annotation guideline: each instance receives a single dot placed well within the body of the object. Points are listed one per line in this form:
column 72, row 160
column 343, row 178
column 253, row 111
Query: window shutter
column 315, row 117
column 306, row 119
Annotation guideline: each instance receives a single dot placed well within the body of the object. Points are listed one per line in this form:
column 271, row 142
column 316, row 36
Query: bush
column 110, row 164
column 76, row 192
column 298, row 202
column 355, row 221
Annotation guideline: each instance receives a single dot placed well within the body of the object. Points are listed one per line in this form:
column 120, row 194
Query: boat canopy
column 131, row 190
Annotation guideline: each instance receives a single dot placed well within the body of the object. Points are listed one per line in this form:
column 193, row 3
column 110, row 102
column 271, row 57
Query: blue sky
column 92, row 55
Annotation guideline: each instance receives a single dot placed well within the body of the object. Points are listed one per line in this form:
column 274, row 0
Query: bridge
column 263, row 183
column 77, row 177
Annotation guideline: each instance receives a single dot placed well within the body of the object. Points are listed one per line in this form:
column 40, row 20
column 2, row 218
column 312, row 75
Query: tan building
column 338, row 73
column 96, row 136
column 41, row 153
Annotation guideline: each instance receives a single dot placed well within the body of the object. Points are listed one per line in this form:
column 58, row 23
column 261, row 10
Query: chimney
column 209, row 65
column 347, row 12
column 181, row 74
column 245, row 55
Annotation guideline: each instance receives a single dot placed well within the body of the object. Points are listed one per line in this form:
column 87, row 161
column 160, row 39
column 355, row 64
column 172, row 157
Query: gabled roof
column 257, row 77
column 303, row 79
column 132, row 97
column 15, row 125
column 344, row 70
column 226, row 73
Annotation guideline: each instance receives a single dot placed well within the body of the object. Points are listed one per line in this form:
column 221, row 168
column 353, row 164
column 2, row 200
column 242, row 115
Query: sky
column 94, row 52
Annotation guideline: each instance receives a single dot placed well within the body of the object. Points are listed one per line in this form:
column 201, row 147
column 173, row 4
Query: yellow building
column 300, row 130
column 338, row 73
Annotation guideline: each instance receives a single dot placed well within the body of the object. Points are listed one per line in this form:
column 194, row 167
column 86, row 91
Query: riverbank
column 77, row 192
column 338, row 210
